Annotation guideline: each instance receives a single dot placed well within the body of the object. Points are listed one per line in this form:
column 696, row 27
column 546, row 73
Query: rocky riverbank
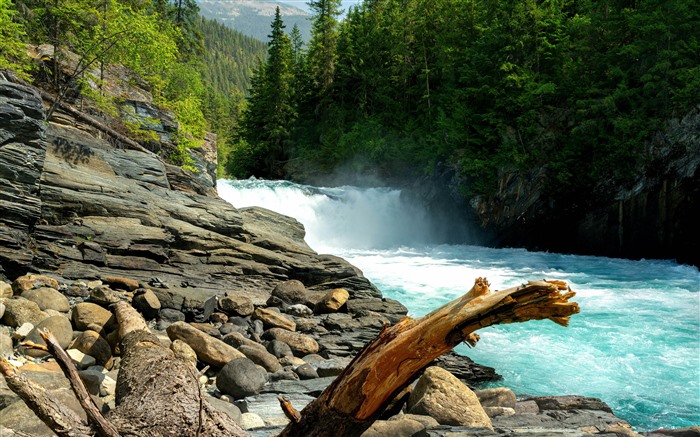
column 86, row 223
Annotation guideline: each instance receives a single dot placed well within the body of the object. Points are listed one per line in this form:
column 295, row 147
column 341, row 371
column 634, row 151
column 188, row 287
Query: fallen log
column 158, row 394
column 399, row 353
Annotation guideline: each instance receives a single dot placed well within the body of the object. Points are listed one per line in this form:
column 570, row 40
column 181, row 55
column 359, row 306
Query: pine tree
column 322, row 48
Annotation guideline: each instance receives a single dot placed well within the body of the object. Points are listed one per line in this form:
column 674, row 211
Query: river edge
column 104, row 223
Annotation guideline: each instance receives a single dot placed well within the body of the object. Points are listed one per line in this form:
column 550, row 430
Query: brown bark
column 400, row 352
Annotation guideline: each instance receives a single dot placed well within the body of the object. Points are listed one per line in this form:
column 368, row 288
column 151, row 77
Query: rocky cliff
column 77, row 207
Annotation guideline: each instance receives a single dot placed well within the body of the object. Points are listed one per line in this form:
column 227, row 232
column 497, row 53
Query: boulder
column 332, row 301
column 306, row 371
column 225, row 407
column 184, row 351
column 5, row 290
column 299, row 310
column 273, row 319
column 91, row 316
column 147, row 303
column 289, row 292
column 279, row 348
column 28, row 282
column 496, row 397
column 251, row 421
column 90, row 343
column 240, row 378
column 236, row 339
column 426, row 421
column 47, row 299
column 261, row 357
column 209, row 349
column 104, row 296
column 236, row 305
column 441, row 395
column 97, row 382
column 299, row 343
column 401, row 427
column 19, row 311
column 81, row 360
column 61, row 329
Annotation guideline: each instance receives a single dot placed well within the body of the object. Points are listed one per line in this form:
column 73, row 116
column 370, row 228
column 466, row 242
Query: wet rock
column 332, row 301
column 570, row 403
column 401, row 427
column 273, row 319
column 236, row 305
column 47, row 299
column 90, row 316
column 240, row 378
column 209, row 349
column 299, row 343
column 442, row 396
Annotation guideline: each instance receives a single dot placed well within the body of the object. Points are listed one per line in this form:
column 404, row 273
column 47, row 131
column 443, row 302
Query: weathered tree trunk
column 400, row 352
column 158, row 394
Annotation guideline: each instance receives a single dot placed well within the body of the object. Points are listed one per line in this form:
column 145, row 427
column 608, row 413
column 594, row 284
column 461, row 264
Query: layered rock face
column 76, row 207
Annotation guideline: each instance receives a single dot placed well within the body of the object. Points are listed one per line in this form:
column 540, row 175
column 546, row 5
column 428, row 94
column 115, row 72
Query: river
column 635, row 344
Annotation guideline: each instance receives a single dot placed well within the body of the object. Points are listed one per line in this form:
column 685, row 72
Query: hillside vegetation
column 194, row 67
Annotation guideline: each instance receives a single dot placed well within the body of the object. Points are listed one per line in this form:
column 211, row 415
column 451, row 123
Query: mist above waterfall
column 343, row 217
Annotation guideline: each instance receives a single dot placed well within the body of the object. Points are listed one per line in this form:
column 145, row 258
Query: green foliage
column 13, row 54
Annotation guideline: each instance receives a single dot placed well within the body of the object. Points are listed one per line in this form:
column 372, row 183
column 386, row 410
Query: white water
column 635, row 344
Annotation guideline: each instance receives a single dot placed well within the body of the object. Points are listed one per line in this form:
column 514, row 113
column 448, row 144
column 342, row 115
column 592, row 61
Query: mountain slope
column 253, row 17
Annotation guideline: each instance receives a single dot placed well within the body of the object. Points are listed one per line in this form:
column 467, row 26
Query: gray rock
column 228, row 328
column 236, row 339
column 286, row 374
column 268, row 407
column 306, row 371
column 690, row 431
column 279, row 348
column 104, row 296
column 442, row 396
column 6, row 350
column 526, row 407
column 47, row 298
column 570, row 403
column 401, row 427
column 97, row 382
column 225, row 407
column 170, row 315
column 310, row 387
column 240, row 378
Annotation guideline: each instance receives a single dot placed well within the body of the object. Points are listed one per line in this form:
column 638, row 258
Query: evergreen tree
column 12, row 50
column 267, row 121
column 322, row 48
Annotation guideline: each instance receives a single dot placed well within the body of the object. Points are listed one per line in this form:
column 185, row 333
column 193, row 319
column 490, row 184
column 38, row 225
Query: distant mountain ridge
column 253, row 17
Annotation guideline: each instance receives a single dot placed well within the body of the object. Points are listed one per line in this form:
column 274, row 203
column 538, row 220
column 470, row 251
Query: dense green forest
column 195, row 67
column 402, row 86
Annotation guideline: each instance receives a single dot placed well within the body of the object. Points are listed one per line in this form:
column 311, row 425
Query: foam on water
column 635, row 344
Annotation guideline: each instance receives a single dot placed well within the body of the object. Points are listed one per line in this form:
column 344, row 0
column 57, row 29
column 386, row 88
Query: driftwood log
column 158, row 394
